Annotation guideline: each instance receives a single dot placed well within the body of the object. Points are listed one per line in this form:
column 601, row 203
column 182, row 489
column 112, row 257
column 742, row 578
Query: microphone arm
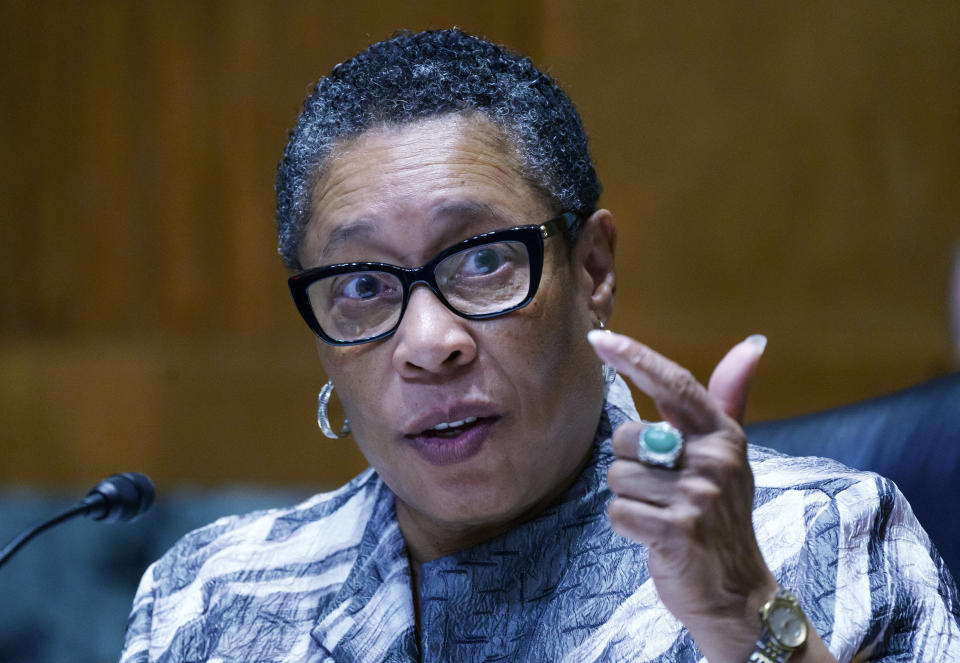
column 21, row 539
column 117, row 498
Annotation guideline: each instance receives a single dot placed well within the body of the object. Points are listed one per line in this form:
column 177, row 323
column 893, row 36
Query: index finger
column 679, row 397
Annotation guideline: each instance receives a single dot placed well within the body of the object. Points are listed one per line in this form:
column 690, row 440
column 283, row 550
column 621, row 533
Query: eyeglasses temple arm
column 561, row 224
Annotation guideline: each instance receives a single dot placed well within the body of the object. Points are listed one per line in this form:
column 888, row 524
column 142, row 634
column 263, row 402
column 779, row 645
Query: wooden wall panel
column 784, row 168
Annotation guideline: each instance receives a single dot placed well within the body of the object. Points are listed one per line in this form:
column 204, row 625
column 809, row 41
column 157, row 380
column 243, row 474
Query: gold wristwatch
column 784, row 629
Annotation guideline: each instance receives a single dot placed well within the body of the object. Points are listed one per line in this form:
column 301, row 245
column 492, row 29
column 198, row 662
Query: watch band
column 784, row 629
column 768, row 651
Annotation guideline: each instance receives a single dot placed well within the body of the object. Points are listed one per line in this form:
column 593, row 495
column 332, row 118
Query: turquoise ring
column 660, row 444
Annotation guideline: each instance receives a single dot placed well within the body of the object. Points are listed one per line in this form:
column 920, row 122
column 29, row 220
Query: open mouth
column 450, row 429
column 450, row 442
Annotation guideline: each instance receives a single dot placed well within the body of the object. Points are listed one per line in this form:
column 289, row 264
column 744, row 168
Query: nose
column 431, row 340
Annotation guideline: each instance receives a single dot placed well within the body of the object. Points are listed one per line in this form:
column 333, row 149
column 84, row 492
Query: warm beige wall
column 787, row 168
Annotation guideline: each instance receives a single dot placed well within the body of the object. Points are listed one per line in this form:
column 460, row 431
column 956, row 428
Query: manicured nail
column 759, row 340
column 595, row 335
column 607, row 341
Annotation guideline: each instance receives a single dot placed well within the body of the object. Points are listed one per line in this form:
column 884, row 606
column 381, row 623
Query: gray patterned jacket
column 328, row 579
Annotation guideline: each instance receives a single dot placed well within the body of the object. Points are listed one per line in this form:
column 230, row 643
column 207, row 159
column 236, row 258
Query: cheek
column 353, row 371
column 546, row 351
column 561, row 327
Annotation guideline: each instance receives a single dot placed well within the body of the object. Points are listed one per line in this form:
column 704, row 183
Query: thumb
column 730, row 383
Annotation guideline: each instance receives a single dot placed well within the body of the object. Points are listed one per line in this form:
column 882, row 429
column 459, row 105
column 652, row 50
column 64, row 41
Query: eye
column 486, row 266
column 484, row 260
column 362, row 286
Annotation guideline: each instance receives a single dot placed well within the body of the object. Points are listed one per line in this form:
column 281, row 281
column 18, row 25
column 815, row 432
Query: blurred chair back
column 911, row 436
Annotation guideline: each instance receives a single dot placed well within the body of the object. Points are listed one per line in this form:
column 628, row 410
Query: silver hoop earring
column 323, row 420
column 609, row 375
column 609, row 372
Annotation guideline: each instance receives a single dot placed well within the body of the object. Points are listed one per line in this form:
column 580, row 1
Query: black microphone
column 120, row 497
column 117, row 498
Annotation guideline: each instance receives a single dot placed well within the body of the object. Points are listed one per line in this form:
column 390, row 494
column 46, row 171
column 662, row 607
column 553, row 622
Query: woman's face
column 526, row 386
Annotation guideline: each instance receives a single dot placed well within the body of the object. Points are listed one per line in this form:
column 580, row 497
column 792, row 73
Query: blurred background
column 784, row 168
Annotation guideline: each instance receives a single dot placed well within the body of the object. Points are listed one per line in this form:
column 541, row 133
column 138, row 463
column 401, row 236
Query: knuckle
column 735, row 438
column 640, row 355
column 625, row 441
column 685, row 523
column 723, row 464
column 731, row 464
column 618, row 475
column 676, row 526
column 701, row 492
column 717, row 461
column 681, row 382
column 626, row 521
column 625, row 530
column 619, row 513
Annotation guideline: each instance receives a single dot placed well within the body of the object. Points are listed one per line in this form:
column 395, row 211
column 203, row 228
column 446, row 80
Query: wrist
column 784, row 629
column 729, row 632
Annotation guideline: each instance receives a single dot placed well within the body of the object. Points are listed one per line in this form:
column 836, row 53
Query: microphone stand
column 119, row 497
column 21, row 539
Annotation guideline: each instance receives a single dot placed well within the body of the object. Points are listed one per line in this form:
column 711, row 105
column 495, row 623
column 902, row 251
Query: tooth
column 454, row 424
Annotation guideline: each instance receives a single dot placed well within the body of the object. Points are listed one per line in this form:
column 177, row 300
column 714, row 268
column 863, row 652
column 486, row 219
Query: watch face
column 787, row 625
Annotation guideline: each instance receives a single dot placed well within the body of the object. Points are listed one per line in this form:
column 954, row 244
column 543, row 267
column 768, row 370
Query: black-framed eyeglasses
column 482, row 277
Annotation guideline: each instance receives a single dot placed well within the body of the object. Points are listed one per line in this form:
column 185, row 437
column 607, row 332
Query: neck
column 428, row 538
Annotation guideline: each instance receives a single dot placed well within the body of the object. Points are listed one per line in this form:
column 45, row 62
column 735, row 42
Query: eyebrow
column 456, row 214
column 362, row 229
column 468, row 210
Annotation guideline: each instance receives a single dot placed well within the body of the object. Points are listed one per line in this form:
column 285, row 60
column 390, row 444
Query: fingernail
column 606, row 341
column 758, row 340
column 595, row 335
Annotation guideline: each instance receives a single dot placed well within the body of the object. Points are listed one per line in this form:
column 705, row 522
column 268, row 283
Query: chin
column 490, row 507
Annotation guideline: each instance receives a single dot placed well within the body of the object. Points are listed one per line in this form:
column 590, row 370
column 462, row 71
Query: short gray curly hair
column 416, row 76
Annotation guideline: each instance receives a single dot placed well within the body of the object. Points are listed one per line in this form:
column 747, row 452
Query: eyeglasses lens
column 481, row 280
column 356, row 305
column 485, row 279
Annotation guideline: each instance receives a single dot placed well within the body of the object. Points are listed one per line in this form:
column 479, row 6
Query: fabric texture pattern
column 329, row 579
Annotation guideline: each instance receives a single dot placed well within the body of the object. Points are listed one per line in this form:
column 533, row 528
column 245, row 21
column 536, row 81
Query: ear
column 594, row 259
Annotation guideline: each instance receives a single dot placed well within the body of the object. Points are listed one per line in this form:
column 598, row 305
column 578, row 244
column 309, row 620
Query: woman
column 438, row 205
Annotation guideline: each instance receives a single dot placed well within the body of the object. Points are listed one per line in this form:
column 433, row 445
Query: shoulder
column 847, row 543
column 806, row 502
column 824, row 493
column 271, row 542
column 811, row 480
column 220, row 577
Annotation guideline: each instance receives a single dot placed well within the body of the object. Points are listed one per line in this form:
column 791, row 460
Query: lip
column 443, row 450
column 451, row 450
column 456, row 412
